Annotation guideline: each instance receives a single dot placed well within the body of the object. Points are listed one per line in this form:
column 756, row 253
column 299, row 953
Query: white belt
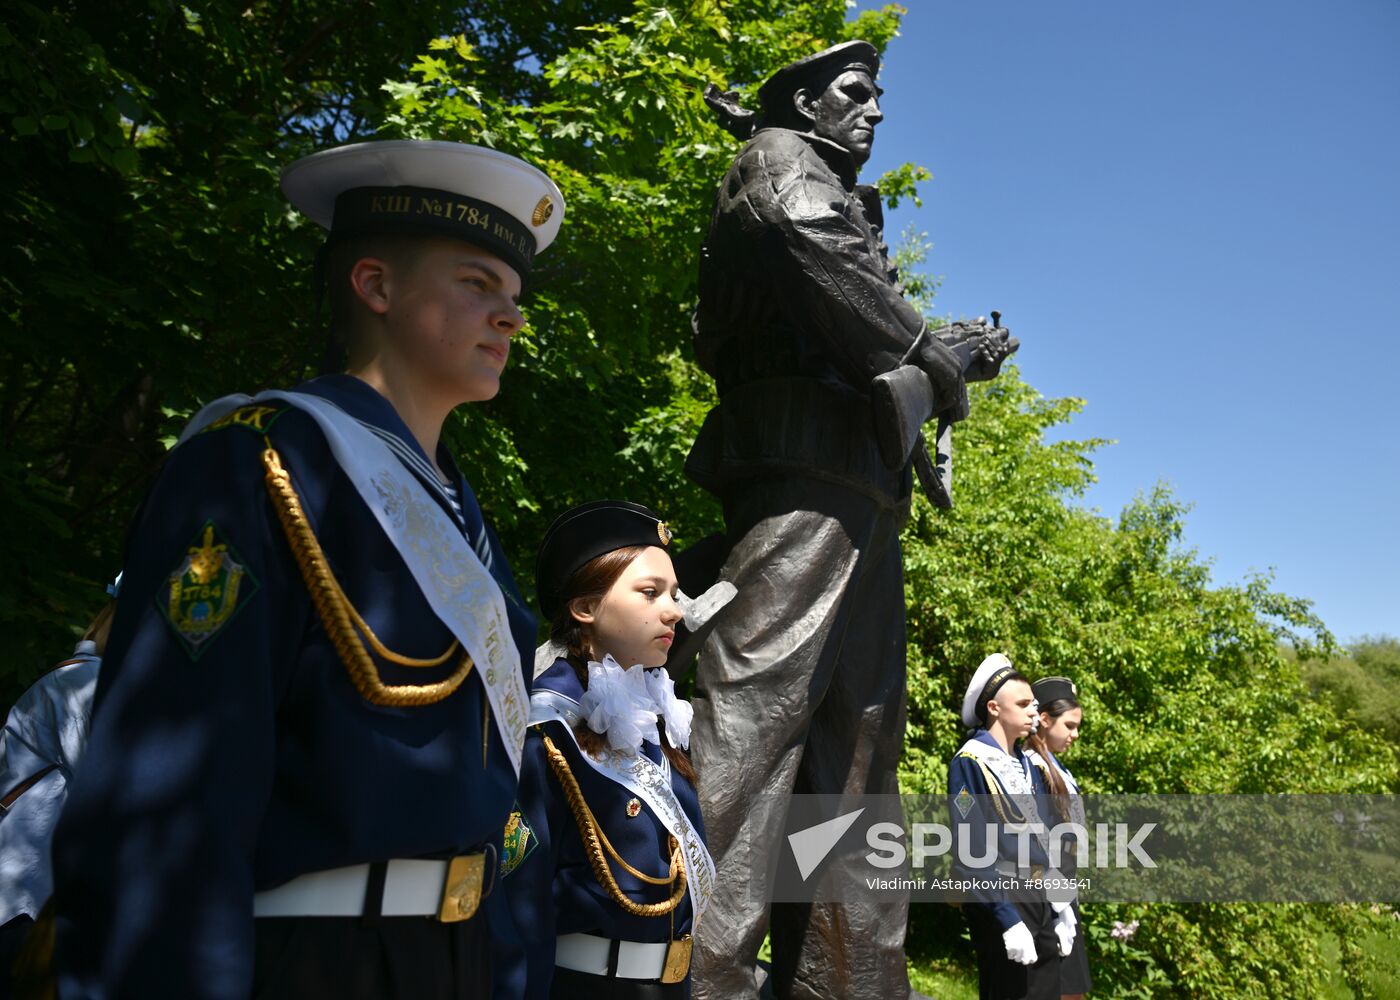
column 588, row 953
column 412, row 888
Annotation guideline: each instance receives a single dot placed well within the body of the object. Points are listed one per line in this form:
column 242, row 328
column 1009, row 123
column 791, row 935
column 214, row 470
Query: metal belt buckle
column 1037, row 872
column 461, row 890
column 677, row 960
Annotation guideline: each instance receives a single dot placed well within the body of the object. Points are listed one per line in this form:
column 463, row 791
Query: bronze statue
column 826, row 376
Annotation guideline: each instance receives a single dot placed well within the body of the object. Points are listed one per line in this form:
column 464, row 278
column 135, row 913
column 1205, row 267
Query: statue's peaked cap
column 787, row 80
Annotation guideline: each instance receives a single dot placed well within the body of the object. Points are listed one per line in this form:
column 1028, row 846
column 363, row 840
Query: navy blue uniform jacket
column 215, row 772
column 553, row 890
column 970, row 831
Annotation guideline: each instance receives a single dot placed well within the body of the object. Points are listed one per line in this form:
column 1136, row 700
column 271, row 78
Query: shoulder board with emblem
column 255, row 417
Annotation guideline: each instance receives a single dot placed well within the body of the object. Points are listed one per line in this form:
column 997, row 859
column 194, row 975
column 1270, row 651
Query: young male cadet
column 1017, row 934
column 312, row 707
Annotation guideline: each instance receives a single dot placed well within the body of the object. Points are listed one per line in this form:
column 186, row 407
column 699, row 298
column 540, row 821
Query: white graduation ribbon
column 458, row 588
column 645, row 779
column 617, row 704
column 675, row 712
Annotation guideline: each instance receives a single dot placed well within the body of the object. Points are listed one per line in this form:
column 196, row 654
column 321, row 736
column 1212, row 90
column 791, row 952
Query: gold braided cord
column 379, row 647
column 597, row 828
column 594, row 839
column 337, row 614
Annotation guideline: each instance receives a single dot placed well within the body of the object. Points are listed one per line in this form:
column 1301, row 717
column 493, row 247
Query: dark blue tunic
column 970, row 831
column 553, row 890
column 223, row 766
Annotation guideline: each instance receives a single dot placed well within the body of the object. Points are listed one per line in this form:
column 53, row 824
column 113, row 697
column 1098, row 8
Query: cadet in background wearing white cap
column 309, row 721
column 993, row 788
column 1060, row 718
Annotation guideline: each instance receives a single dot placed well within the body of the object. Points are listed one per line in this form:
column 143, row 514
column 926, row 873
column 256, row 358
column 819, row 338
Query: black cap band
column 990, row 689
column 430, row 212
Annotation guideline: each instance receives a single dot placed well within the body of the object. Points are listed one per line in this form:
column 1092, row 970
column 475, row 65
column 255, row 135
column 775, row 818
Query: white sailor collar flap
column 1009, row 771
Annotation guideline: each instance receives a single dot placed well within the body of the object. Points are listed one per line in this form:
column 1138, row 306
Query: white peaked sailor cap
column 985, row 683
column 478, row 195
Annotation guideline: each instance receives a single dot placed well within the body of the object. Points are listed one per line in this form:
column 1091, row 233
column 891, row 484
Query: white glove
column 1065, row 930
column 1020, row 946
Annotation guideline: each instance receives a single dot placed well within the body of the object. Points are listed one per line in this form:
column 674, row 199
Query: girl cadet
column 604, row 862
column 1017, row 933
column 1060, row 719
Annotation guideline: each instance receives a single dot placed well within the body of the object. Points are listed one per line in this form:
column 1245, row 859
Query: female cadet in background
column 604, row 860
column 1060, row 719
column 40, row 746
column 1018, row 934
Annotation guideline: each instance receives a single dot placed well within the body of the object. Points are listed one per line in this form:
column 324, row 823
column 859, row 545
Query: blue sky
column 1190, row 215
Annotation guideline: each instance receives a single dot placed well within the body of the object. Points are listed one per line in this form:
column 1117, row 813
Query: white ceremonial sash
column 644, row 779
column 459, row 589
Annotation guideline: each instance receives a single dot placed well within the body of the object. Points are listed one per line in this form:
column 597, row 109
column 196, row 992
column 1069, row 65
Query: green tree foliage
column 1185, row 686
column 150, row 265
column 604, row 364
column 1363, row 685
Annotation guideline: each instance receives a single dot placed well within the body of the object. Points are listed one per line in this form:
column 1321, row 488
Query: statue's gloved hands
column 989, row 351
column 1020, row 946
column 984, row 347
column 1065, row 927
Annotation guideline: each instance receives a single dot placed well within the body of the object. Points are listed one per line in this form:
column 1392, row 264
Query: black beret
column 788, row 80
column 586, row 532
column 1049, row 689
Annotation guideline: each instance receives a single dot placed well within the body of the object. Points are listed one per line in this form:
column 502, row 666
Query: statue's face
column 846, row 112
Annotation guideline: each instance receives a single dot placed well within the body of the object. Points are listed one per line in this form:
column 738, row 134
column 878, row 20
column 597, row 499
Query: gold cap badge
column 543, row 210
column 663, row 532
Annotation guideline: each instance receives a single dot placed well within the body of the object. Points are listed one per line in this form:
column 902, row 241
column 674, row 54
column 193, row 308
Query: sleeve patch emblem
column 519, row 841
column 964, row 802
column 204, row 592
column 252, row 417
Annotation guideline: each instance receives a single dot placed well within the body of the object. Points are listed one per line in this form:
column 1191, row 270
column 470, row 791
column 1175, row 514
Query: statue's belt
column 795, row 426
column 765, row 355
